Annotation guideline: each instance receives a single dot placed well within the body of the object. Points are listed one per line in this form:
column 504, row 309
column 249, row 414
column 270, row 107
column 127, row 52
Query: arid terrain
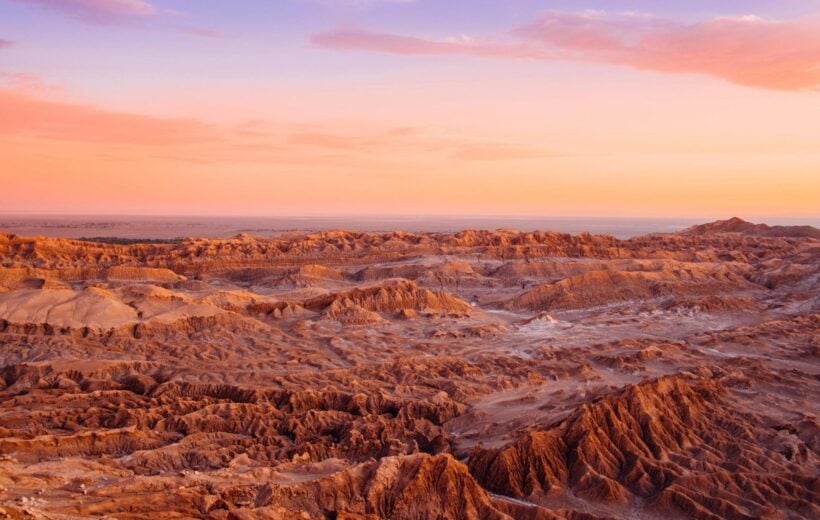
column 359, row 375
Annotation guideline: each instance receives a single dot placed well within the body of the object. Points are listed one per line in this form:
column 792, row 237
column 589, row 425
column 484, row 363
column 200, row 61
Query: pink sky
column 349, row 107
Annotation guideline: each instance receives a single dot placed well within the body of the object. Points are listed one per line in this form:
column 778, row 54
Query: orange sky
column 399, row 121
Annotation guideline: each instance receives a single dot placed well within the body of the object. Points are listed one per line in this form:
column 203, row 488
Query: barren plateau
column 447, row 375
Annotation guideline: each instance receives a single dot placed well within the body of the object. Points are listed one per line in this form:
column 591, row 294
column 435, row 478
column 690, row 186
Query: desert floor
column 472, row 374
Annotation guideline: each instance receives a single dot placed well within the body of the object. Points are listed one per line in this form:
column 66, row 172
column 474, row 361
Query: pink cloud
column 351, row 142
column 99, row 10
column 499, row 152
column 5, row 43
column 28, row 83
column 586, row 31
column 201, row 32
column 780, row 55
column 748, row 50
column 412, row 46
column 24, row 114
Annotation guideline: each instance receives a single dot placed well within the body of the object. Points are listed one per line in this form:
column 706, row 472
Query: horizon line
column 406, row 216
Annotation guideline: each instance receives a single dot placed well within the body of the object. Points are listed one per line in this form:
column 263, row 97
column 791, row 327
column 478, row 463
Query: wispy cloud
column 200, row 32
column 416, row 141
column 28, row 83
column 750, row 51
column 5, row 43
column 99, row 11
column 413, row 46
column 500, row 152
column 350, row 142
column 118, row 11
column 25, row 114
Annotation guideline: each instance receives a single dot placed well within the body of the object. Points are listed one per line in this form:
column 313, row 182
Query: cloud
column 115, row 11
column 99, row 11
column 350, row 142
column 28, row 83
column 24, row 114
column 413, row 46
column 414, row 141
column 745, row 50
column 589, row 30
column 200, row 32
column 500, row 152
column 750, row 51
column 50, row 123
column 5, row 43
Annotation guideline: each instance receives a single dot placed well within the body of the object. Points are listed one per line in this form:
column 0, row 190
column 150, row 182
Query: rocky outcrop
column 276, row 310
column 403, row 488
column 390, row 297
column 111, row 442
column 147, row 274
column 603, row 287
column 92, row 307
column 738, row 225
column 672, row 441
column 349, row 313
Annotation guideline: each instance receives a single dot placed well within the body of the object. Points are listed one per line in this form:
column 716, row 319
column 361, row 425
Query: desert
column 409, row 260
column 491, row 374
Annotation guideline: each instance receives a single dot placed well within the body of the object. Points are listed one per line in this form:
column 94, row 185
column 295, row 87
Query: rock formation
column 480, row 374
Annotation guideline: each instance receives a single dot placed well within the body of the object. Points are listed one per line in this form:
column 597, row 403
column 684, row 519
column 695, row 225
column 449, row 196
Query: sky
column 627, row 108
